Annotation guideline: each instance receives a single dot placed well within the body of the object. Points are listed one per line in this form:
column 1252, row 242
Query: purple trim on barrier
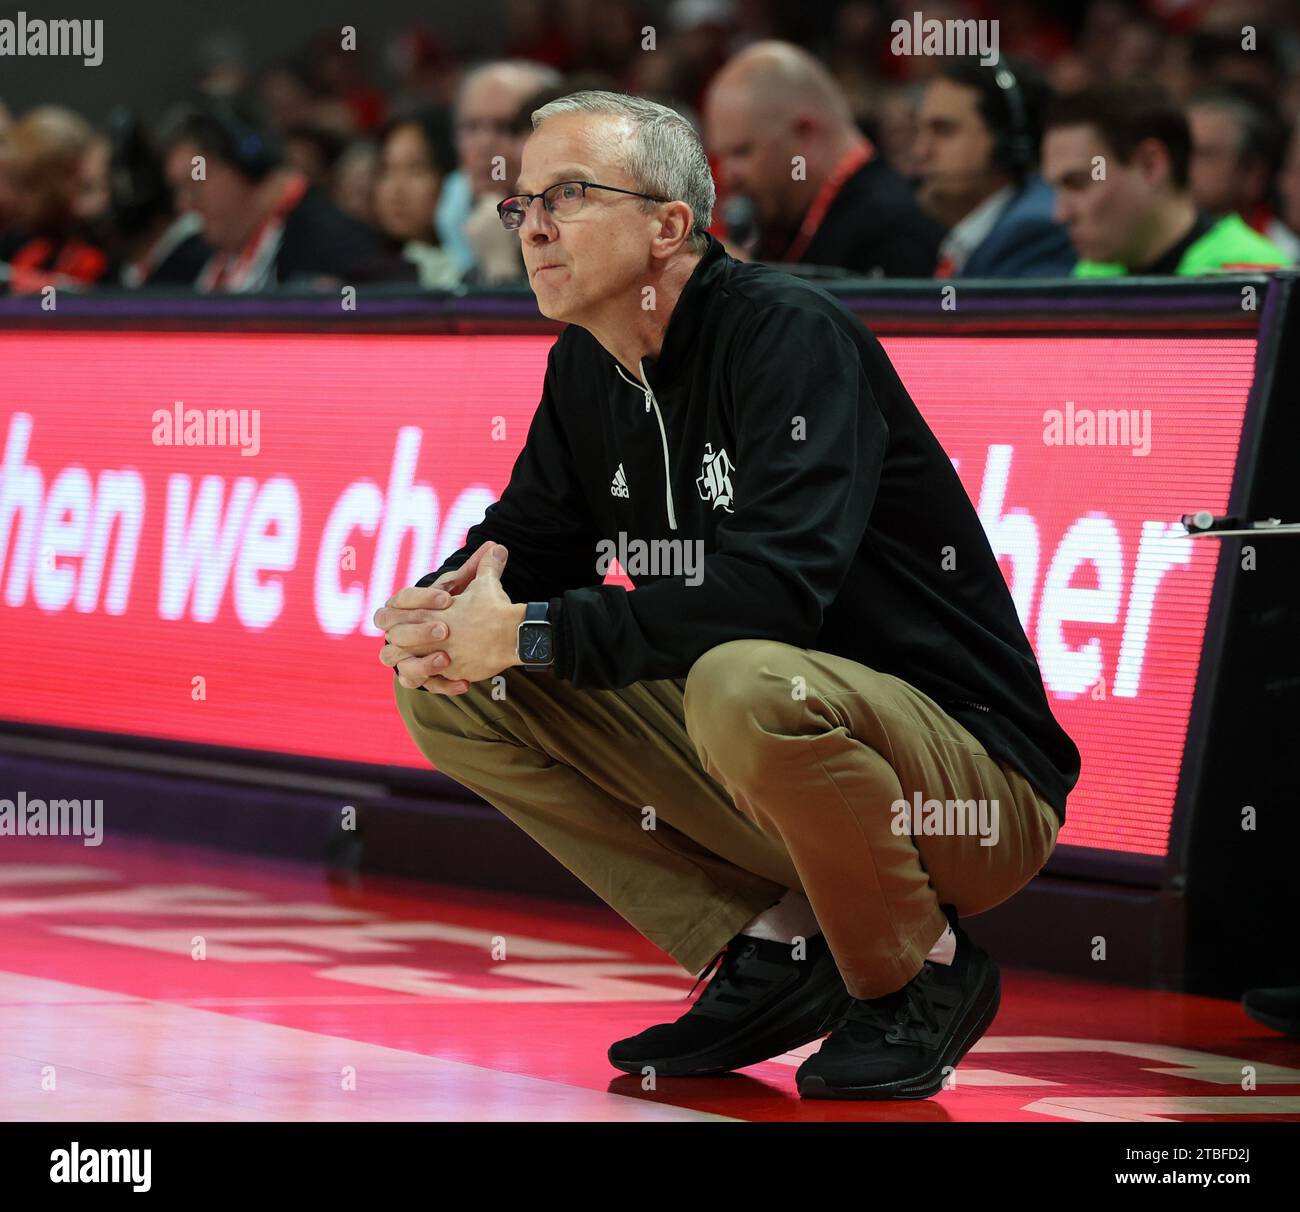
column 912, row 297
column 202, row 307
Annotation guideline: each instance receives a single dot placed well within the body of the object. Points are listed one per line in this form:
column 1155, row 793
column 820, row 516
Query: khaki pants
column 691, row 804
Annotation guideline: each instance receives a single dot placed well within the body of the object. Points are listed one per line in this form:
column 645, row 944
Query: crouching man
column 721, row 754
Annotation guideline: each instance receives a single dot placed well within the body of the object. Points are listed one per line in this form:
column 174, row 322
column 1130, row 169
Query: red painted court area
column 145, row 981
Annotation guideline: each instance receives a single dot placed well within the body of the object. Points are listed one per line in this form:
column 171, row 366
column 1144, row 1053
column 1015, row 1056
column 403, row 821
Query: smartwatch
column 534, row 645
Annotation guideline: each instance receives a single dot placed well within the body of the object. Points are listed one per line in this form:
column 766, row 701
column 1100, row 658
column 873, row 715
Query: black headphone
column 254, row 152
column 1015, row 147
column 136, row 187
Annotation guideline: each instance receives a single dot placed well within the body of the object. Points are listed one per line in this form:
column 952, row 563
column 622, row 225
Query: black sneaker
column 759, row 1004
column 1278, row 1008
column 903, row 1045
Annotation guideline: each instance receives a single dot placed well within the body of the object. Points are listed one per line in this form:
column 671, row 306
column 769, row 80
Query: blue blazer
column 1025, row 242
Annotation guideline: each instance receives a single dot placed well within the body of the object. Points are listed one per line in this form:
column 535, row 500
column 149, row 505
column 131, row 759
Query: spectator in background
column 45, row 246
column 495, row 261
column 1118, row 155
column 788, row 150
column 150, row 244
column 286, row 97
column 92, row 203
column 314, row 151
column 487, row 148
column 1222, row 57
column 346, row 98
column 354, row 181
column 425, row 66
column 416, row 156
column 700, row 42
column 270, row 227
column 1237, row 150
column 532, row 31
column 977, row 153
column 6, row 169
column 221, row 64
column 1288, row 182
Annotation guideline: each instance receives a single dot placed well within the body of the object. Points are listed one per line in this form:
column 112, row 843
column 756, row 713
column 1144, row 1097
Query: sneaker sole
column 805, row 1019
column 1274, row 1022
column 984, row 1010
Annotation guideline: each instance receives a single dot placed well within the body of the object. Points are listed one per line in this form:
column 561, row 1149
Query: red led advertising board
column 216, row 586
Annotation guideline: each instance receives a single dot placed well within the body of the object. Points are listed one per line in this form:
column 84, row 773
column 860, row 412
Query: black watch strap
column 536, row 612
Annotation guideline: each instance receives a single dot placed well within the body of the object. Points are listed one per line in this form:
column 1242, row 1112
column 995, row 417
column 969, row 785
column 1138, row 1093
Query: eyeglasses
column 563, row 200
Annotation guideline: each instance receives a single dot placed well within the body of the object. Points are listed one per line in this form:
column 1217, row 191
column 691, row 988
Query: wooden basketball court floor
column 155, row 982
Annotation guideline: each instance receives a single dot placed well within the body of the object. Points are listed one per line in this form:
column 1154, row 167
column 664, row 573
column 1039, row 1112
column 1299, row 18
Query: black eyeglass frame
column 550, row 209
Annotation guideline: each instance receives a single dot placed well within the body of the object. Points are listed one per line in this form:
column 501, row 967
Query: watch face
column 535, row 642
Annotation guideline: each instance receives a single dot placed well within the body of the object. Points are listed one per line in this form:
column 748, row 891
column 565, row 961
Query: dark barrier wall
column 383, row 431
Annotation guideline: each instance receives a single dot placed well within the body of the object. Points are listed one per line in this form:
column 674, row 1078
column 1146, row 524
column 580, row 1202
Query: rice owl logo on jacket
column 715, row 478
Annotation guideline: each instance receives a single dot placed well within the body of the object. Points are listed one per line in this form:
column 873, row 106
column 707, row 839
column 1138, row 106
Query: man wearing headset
column 270, row 227
column 977, row 154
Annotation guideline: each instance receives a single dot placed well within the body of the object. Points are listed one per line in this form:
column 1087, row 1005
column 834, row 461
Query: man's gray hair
column 665, row 155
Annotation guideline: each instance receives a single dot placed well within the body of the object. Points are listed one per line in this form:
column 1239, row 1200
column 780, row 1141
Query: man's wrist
column 516, row 616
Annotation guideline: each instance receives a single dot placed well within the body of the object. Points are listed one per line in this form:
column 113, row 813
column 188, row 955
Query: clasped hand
column 458, row 630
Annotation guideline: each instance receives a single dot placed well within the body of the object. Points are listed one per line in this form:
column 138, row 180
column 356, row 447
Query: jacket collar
column 683, row 332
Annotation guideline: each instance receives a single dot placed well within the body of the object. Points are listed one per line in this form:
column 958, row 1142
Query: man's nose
column 537, row 222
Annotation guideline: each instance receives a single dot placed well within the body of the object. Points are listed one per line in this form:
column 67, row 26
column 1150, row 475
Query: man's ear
column 1152, row 158
column 676, row 221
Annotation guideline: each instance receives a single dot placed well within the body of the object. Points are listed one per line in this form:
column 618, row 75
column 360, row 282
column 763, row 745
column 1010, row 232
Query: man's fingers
column 393, row 655
column 477, row 562
column 386, row 616
column 419, row 638
column 437, row 685
column 437, row 596
column 414, row 672
column 421, row 668
column 392, row 618
column 415, row 597
column 441, row 685
column 489, row 570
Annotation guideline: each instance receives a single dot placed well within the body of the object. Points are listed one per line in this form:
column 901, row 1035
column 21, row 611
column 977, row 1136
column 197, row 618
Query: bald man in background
column 469, row 227
column 784, row 140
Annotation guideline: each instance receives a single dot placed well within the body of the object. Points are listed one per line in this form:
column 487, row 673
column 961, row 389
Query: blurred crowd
column 1108, row 137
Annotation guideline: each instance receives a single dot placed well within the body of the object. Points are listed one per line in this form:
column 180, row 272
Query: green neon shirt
column 1230, row 246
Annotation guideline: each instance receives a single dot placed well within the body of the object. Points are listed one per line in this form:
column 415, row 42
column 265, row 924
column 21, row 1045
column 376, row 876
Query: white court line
column 134, row 1059
column 34, row 874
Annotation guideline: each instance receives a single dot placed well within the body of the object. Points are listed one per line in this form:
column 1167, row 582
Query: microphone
column 741, row 218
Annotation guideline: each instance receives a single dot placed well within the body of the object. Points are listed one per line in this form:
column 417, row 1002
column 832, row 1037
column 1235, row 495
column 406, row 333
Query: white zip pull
column 644, row 385
column 663, row 434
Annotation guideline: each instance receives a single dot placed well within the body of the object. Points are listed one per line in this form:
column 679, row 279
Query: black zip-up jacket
column 773, row 428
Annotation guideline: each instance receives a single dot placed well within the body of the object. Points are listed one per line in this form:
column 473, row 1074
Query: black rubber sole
column 924, row 1085
column 1289, row 1027
column 817, row 1009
